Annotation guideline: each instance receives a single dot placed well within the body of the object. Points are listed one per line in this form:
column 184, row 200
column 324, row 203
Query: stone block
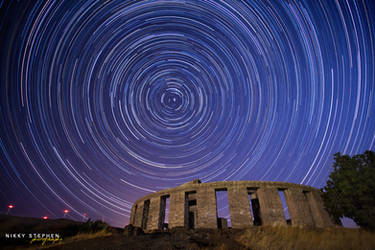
column 154, row 213
column 177, row 210
column 138, row 215
column 319, row 214
column 239, row 206
column 298, row 207
column 271, row 208
column 206, row 208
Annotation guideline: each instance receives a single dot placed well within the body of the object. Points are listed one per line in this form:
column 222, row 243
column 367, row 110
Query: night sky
column 103, row 102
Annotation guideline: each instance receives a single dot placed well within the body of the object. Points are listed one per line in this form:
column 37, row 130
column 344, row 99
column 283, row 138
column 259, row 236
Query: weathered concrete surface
column 138, row 215
column 206, row 208
column 177, row 210
column 154, row 213
column 298, row 206
column 304, row 204
column 239, row 206
column 271, row 208
column 319, row 214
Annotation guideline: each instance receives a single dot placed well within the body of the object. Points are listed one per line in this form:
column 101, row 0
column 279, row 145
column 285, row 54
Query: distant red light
column 66, row 211
column 45, row 217
column 10, row 206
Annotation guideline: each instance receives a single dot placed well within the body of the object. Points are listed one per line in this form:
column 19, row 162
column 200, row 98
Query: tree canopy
column 350, row 189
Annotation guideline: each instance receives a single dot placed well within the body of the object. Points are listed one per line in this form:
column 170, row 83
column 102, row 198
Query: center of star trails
column 172, row 99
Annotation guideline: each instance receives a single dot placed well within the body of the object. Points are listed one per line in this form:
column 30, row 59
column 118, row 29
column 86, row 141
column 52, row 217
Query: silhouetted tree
column 350, row 189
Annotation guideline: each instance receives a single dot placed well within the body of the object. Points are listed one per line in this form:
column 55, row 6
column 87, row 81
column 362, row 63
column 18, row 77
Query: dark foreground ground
column 98, row 235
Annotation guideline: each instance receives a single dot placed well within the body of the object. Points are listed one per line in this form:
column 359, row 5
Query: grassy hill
column 98, row 235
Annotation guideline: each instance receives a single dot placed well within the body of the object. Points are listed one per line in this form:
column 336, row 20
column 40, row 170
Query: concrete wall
column 298, row 206
column 271, row 208
column 198, row 200
column 206, row 208
column 176, row 210
column 239, row 206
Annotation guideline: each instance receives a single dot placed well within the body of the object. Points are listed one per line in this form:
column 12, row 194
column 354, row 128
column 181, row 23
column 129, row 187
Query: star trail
column 105, row 101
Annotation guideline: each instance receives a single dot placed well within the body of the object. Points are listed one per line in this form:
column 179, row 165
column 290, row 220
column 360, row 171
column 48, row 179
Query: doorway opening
column 222, row 208
column 164, row 212
column 190, row 209
column 135, row 214
column 285, row 206
column 146, row 208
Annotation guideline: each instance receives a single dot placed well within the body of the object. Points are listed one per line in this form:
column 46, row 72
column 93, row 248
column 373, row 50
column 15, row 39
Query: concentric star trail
column 105, row 101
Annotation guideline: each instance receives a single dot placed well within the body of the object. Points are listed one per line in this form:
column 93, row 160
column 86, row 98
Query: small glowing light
column 66, row 211
column 84, row 216
column 45, row 217
column 10, row 206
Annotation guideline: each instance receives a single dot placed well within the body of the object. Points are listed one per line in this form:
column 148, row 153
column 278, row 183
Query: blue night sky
column 104, row 102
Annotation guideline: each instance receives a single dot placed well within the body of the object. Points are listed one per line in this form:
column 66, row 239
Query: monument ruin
column 251, row 203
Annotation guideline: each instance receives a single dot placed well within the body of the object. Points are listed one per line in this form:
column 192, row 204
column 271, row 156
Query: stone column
column 319, row 214
column 206, row 208
column 298, row 207
column 138, row 215
column 239, row 206
column 154, row 212
column 177, row 209
column 271, row 208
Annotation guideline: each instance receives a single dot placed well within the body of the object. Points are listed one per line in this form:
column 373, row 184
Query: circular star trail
column 103, row 102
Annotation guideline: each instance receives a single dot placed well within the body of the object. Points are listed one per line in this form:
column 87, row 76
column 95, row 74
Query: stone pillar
column 177, row 209
column 319, row 214
column 154, row 212
column 239, row 206
column 206, row 208
column 298, row 207
column 271, row 208
column 138, row 215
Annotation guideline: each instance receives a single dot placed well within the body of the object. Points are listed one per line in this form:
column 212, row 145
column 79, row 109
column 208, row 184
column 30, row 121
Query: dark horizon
column 102, row 103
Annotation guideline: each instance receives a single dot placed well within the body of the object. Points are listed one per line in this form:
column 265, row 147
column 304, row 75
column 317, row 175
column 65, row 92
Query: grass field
column 306, row 238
